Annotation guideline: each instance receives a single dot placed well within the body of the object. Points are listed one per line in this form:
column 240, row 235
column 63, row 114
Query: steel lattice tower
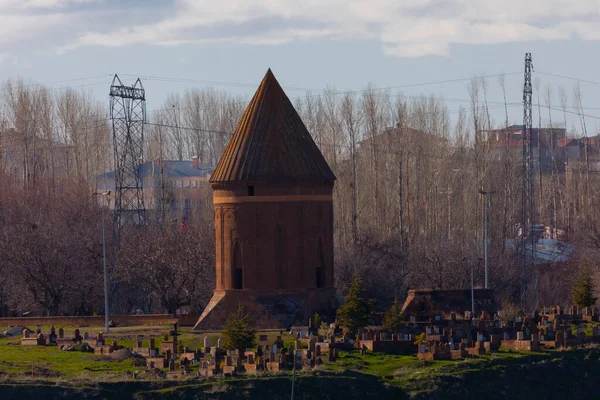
column 528, row 233
column 128, row 114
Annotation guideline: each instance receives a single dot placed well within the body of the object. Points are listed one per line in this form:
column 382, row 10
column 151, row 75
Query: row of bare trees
column 51, row 257
column 407, row 208
column 44, row 134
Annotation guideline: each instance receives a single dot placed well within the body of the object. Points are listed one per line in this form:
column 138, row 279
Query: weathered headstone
column 61, row 333
column 220, row 343
column 41, row 339
column 52, row 337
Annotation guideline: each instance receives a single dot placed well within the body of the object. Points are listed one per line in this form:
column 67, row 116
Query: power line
column 18, row 87
column 568, row 77
column 325, row 92
column 182, row 127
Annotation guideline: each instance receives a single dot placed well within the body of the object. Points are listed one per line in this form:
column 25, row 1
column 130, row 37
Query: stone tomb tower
column 272, row 192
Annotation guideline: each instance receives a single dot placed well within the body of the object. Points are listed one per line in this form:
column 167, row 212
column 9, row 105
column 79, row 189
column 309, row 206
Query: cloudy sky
column 309, row 44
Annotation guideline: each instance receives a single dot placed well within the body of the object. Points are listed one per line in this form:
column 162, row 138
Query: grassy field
column 24, row 370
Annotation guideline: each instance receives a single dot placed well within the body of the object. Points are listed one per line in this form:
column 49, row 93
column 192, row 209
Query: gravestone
column 52, row 336
column 330, row 356
column 86, row 336
column 220, row 343
column 61, row 333
column 41, row 339
column 25, row 333
column 139, row 341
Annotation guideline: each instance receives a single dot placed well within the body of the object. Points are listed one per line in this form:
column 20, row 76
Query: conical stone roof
column 271, row 143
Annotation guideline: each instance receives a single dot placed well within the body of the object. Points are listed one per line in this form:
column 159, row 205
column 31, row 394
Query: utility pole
column 472, row 281
column 400, row 205
column 104, row 194
column 486, row 240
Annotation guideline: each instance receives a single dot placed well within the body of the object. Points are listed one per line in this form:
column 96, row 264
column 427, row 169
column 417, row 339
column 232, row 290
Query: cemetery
column 427, row 348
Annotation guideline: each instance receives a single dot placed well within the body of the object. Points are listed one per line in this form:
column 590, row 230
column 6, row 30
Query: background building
column 177, row 188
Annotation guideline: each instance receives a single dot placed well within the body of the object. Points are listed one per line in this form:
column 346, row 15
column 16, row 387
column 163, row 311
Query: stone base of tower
column 268, row 309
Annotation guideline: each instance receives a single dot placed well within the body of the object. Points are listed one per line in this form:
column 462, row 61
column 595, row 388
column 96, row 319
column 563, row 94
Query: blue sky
column 308, row 44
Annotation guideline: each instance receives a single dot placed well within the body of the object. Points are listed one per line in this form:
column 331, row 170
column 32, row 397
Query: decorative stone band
column 272, row 199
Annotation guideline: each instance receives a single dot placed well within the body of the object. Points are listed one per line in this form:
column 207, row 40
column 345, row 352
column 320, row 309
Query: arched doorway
column 320, row 273
column 280, row 261
column 238, row 271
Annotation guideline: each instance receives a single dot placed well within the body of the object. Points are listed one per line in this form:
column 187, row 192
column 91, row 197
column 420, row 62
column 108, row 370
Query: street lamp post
column 472, row 282
column 104, row 194
column 485, row 233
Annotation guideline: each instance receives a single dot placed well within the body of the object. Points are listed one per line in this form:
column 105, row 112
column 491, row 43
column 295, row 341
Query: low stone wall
column 390, row 346
column 517, row 345
column 120, row 320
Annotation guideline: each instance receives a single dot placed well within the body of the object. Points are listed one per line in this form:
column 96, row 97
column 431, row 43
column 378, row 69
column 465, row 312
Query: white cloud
column 407, row 28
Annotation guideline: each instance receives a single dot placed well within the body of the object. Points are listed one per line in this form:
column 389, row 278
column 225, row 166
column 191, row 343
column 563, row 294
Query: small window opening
column 250, row 190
